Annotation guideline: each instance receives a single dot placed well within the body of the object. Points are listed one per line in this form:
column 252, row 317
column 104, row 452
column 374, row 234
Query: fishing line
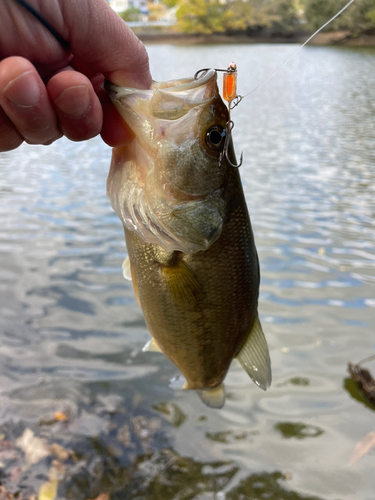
column 366, row 360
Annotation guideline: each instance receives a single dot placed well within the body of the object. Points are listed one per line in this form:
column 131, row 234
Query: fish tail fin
column 214, row 398
column 254, row 357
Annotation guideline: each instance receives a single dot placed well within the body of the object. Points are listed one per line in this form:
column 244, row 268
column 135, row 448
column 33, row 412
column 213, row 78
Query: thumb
column 102, row 43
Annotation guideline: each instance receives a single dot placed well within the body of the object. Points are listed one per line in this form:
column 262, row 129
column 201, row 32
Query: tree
column 200, row 16
column 131, row 15
column 359, row 17
column 283, row 15
column 218, row 16
column 170, row 3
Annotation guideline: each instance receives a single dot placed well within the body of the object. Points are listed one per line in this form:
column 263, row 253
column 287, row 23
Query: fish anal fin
column 126, row 269
column 182, row 283
column 214, row 398
column 151, row 346
column 254, row 357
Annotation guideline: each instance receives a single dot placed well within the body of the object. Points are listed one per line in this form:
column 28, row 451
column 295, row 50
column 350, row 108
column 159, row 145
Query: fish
column 191, row 251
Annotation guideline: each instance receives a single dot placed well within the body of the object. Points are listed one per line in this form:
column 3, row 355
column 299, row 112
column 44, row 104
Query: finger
column 78, row 108
column 117, row 52
column 115, row 132
column 10, row 138
column 24, row 99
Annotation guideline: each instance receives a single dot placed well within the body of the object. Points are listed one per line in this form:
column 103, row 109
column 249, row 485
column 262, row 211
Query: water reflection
column 298, row 430
column 225, row 436
column 301, row 381
column 267, row 486
column 171, row 412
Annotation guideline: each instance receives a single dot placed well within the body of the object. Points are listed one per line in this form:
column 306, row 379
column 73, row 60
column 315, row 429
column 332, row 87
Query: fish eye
column 215, row 138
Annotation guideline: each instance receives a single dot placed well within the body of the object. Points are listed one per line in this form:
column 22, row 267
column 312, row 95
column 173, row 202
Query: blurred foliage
column 284, row 15
column 131, row 15
column 217, row 16
column 155, row 11
column 275, row 16
column 170, row 3
column 359, row 17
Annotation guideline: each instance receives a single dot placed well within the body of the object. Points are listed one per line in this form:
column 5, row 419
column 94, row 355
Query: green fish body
column 191, row 250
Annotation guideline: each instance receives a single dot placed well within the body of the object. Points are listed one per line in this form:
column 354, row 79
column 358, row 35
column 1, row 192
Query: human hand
column 46, row 91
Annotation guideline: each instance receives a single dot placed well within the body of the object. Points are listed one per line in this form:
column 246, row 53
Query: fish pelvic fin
column 135, row 286
column 214, row 398
column 128, row 273
column 182, row 283
column 151, row 346
column 254, row 357
column 126, row 269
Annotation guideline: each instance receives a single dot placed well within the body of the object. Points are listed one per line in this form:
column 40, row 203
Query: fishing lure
column 230, row 95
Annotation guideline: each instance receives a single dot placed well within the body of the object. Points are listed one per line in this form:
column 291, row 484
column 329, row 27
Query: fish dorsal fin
column 126, row 269
column 254, row 357
column 182, row 283
column 151, row 346
column 214, row 398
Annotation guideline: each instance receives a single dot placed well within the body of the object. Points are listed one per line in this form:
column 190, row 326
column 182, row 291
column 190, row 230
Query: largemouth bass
column 191, row 250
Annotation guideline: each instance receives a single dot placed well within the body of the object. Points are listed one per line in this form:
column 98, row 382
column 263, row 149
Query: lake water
column 72, row 334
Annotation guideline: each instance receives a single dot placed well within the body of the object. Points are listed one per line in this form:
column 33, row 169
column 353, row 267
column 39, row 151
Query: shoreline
column 333, row 38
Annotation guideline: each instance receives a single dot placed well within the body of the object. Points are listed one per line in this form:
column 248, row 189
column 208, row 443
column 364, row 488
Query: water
column 71, row 332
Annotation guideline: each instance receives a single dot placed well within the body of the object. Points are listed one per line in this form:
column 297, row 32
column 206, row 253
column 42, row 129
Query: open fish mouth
column 178, row 85
column 169, row 100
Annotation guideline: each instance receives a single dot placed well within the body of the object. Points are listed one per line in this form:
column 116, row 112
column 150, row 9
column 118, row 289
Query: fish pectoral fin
column 151, row 346
column 126, row 269
column 214, row 398
column 254, row 357
column 182, row 284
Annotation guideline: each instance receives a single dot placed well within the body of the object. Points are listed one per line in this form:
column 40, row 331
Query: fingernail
column 23, row 91
column 74, row 101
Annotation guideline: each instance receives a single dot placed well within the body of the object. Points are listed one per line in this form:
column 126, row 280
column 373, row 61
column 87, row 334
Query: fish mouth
column 180, row 85
column 151, row 112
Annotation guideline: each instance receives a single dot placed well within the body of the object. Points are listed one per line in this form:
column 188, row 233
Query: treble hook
column 224, row 153
column 235, row 102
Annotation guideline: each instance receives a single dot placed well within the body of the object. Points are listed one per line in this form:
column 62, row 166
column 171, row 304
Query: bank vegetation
column 282, row 17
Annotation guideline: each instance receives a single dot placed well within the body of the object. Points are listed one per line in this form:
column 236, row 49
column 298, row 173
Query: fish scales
column 194, row 337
